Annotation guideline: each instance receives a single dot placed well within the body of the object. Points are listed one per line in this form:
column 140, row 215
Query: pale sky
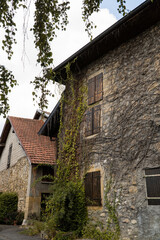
column 66, row 43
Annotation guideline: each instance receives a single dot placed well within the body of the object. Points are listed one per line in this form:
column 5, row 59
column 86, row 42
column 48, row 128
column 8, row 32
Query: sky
column 112, row 5
column 24, row 67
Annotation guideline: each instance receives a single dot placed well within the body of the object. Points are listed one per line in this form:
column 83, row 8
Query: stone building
column 119, row 136
column 26, row 157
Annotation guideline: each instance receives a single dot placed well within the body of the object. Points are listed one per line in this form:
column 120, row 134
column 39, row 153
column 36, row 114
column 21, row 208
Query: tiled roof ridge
column 29, row 119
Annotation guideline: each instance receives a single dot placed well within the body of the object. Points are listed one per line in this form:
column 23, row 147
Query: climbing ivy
column 113, row 228
column 66, row 208
column 7, row 81
column 68, row 167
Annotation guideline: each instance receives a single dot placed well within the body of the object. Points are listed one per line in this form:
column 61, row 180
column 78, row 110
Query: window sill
column 91, row 136
column 45, row 182
column 96, row 208
column 152, row 198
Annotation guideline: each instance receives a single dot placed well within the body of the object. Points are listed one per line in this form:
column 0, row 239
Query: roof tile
column 39, row 149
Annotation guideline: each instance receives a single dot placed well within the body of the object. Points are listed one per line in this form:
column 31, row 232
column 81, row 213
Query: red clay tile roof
column 39, row 149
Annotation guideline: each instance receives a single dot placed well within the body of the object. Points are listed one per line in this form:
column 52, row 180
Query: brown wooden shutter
column 88, row 188
column 91, row 91
column 96, row 188
column 99, row 87
column 89, row 122
column 153, row 185
column 96, row 119
column 152, row 171
column 93, row 188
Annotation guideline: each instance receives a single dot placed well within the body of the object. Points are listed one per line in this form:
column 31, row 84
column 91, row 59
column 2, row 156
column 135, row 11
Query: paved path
column 9, row 232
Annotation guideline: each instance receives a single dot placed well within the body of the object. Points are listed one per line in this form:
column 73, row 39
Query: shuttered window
column 89, row 122
column 9, row 156
column 93, row 121
column 99, row 87
column 93, row 188
column 95, row 89
column 96, row 119
column 153, row 185
column 91, row 91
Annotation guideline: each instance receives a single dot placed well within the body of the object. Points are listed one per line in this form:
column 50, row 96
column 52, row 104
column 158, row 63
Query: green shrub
column 10, row 218
column 8, row 208
column 67, row 206
column 35, row 227
column 19, row 217
column 50, row 229
column 98, row 232
column 65, row 236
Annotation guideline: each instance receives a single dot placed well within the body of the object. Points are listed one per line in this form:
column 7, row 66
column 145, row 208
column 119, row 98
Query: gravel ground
column 9, row 232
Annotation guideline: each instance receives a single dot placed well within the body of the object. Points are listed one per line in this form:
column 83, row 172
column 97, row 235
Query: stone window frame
column 152, row 177
column 95, row 168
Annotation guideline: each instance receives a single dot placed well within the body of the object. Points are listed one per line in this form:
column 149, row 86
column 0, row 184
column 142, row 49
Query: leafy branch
column 7, row 82
column 49, row 16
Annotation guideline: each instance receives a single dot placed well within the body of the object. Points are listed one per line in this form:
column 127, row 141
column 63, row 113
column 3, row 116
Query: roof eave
column 42, row 131
column 5, row 131
column 126, row 28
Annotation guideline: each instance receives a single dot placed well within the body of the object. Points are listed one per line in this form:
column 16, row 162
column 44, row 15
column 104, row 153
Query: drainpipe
column 28, row 194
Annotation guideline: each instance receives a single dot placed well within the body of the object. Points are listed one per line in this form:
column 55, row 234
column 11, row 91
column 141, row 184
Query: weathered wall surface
column 15, row 179
column 129, row 140
column 17, row 151
column 21, row 177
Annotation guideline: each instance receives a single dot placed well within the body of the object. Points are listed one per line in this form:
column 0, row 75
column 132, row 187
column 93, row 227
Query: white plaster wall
column 17, row 151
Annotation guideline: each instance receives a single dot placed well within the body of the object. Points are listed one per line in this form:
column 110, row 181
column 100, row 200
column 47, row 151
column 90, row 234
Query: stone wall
column 129, row 140
column 15, row 179
column 21, row 177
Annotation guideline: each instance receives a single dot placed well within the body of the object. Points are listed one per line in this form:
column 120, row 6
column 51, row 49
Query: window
column 44, row 197
column 153, row 185
column 9, row 156
column 48, row 173
column 93, row 188
column 95, row 89
column 93, row 121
